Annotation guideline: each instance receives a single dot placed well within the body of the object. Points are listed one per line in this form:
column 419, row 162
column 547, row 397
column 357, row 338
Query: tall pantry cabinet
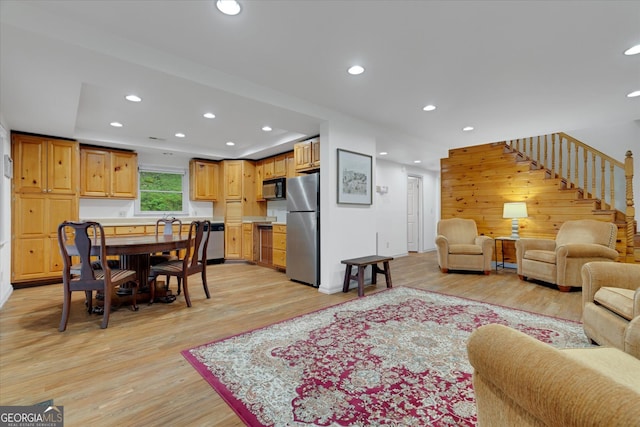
column 44, row 193
column 239, row 202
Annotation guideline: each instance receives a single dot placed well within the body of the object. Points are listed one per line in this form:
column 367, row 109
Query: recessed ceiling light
column 417, row 161
column 267, row 128
column 228, row 7
column 383, row 153
column 180, row 135
column 467, row 128
column 633, row 94
column 116, row 124
column 633, row 50
column 429, row 107
column 355, row 70
column 133, row 98
column 231, row 144
column 209, row 115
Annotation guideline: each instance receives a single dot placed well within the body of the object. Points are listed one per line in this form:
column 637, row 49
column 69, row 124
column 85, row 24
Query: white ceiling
column 509, row 68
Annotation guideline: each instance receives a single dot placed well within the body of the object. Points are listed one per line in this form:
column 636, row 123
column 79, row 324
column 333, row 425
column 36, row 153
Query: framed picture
column 354, row 178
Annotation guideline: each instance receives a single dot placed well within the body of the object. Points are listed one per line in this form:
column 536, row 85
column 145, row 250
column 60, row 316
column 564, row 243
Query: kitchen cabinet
column 280, row 246
column 268, row 168
column 203, row 180
column 45, row 193
column 291, row 165
column 280, row 166
column 108, row 173
column 240, row 201
column 259, row 179
column 247, row 242
column 307, row 155
column 44, row 165
column 233, row 241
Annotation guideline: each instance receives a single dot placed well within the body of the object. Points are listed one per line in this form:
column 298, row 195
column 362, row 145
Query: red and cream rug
column 394, row 358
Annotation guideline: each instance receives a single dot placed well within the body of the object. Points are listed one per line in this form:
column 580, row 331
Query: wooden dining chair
column 74, row 241
column 194, row 261
column 165, row 226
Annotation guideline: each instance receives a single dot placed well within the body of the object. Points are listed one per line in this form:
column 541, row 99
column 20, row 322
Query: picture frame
column 354, row 178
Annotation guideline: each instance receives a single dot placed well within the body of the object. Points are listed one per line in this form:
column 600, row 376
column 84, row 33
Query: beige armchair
column 611, row 305
column 460, row 248
column 560, row 261
column 520, row 381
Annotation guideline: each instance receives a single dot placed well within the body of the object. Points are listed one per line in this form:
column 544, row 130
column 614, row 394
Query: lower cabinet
column 233, row 240
column 280, row 245
column 248, row 252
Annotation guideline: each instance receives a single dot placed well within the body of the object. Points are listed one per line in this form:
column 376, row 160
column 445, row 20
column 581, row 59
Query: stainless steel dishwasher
column 215, row 248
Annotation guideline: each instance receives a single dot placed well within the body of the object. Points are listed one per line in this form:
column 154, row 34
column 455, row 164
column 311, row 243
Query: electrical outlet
column 122, row 214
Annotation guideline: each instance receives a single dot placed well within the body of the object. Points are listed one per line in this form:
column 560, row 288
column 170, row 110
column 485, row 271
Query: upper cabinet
column 307, row 155
column 45, row 165
column 204, row 180
column 108, row 173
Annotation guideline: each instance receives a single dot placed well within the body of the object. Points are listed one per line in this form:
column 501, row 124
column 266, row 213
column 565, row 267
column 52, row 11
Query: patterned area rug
column 395, row 358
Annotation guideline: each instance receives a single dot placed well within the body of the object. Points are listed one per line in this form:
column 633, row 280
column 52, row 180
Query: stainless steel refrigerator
column 303, row 229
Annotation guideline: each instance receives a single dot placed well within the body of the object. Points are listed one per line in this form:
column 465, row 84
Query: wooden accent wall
column 476, row 182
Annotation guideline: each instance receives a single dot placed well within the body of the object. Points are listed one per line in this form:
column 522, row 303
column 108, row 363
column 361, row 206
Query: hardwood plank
column 132, row 373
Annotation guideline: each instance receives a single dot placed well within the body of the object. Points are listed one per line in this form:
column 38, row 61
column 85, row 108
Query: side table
column 502, row 240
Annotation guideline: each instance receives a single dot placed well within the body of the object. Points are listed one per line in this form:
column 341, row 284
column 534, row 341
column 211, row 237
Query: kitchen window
column 161, row 191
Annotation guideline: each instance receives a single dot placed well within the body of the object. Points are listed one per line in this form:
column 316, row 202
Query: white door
column 413, row 214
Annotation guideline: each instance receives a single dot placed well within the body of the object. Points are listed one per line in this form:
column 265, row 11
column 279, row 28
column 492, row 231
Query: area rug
column 394, row 358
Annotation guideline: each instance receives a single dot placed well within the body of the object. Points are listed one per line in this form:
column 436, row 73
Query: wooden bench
column 362, row 264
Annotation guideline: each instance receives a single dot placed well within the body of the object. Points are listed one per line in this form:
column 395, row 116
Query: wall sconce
column 514, row 210
column 382, row 189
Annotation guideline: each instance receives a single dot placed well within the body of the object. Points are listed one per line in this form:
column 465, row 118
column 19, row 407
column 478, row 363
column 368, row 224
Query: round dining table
column 135, row 251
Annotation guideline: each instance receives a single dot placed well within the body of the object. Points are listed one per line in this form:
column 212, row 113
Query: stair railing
column 599, row 176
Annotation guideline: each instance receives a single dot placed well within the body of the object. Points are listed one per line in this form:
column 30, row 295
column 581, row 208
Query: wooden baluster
column 546, row 146
column 630, row 209
column 576, row 169
column 538, row 153
column 602, row 179
column 584, row 169
column 553, row 153
column 612, row 201
column 568, row 175
column 531, row 148
column 593, row 175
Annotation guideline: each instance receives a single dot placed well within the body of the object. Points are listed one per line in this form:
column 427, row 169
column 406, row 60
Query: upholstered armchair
column 461, row 248
column 560, row 261
column 611, row 305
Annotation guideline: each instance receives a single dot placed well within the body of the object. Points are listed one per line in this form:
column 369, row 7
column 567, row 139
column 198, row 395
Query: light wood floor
column 132, row 373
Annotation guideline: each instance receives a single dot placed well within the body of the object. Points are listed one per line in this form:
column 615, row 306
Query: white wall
column 391, row 208
column 5, row 221
column 346, row 231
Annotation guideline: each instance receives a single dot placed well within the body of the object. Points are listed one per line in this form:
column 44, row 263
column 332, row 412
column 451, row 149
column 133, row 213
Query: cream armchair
column 611, row 305
column 560, row 261
column 461, row 248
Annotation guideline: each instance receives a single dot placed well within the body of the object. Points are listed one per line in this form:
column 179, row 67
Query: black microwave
column 274, row 189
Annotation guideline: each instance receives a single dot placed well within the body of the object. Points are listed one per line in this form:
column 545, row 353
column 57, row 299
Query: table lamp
column 514, row 210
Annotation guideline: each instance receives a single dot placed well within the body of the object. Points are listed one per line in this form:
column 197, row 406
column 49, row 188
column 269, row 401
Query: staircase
column 595, row 176
column 555, row 179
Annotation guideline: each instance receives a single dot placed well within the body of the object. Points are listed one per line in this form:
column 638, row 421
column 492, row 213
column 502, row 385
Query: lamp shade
column 515, row 210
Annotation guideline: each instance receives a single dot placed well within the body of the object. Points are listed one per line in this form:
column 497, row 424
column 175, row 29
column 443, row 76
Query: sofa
column 460, row 247
column 611, row 305
column 559, row 261
column 520, row 381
